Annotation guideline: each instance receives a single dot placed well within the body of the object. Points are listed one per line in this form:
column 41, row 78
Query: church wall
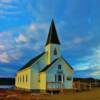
column 69, row 74
column 23, row 79
column 34, row 79
column 35, row 72
column 50, row 52
column 66, row 71
column 42, row 81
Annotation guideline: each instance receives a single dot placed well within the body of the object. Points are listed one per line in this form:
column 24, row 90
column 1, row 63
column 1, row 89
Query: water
column 7, row 86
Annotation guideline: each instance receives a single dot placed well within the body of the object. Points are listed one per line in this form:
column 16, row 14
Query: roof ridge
column 46, row 67
column 28, row 64
column 67, row 62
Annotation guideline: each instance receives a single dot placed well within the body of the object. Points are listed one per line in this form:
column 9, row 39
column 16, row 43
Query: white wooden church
column 47, row 71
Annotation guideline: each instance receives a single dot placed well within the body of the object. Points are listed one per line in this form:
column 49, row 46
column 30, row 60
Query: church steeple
column 52, row 46
column 52, row 36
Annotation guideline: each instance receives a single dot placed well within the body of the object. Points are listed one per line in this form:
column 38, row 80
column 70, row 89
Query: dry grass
column 93, row 94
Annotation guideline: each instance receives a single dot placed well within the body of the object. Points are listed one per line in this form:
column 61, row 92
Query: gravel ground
column 93, row 94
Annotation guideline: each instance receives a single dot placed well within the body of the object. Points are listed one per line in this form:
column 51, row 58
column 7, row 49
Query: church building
column 47, row 71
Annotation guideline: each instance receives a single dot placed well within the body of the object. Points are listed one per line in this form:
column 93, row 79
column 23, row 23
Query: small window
column 59, row 66
column 20, row 78
column 69, row 78
column 55, row 78
column 55, row 51
column 63, row 78
column 26, row 78
column 23, row 78
column 59, row 78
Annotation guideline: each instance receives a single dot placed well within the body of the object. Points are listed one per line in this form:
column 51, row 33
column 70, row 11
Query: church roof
column 32, row 61
column 45, row 68
column 52, row 36
column 67, row 63
column 48, row 66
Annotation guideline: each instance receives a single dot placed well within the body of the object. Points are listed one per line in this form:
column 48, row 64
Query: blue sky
column 24, row 26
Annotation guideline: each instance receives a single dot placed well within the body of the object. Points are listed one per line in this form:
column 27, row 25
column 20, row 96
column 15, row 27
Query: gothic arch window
column 55, row 51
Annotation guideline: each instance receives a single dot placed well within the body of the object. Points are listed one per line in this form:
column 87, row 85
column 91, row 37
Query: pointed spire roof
column 52, row 36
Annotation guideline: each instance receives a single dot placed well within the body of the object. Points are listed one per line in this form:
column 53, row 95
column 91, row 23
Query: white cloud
column 32, row 27
column 21, row 38
column 15, row 53
column 33, row 30
column 7, row 6
column 91, row 62
column 3, row 12
column 11, row 47
column 76, row 41
column 2, row 47
column 36, row 26
column 4, row 58
column 8, row 50
column 94, row 58
column 7, row 69
column 79, row 68
column 86, row 66
column 37, row 46
column 95, row 74
column 7, row 1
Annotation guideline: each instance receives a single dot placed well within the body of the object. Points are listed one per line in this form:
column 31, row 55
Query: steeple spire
column 52, row 37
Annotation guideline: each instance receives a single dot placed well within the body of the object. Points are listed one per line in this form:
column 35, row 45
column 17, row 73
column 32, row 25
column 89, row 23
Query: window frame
column 55, row 51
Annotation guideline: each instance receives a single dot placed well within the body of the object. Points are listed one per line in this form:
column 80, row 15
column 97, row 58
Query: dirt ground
column 93, row 94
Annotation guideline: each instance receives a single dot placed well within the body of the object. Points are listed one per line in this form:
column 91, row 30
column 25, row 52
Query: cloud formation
column 21, row 38
column 76, row 42
column 95, row 74
column 90, row 64
column 24, row 25
column 92, row 59
column 4, row 58
column 7, row 1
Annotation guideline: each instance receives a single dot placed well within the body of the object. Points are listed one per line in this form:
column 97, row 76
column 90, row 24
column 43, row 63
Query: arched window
column 55, row 51
column 59, row 67
column 59, row 78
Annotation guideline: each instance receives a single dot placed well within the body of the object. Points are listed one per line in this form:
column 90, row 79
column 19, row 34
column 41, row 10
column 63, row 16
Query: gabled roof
column 32, row 61
column 48, row 66
column 45, row 68
column 67, row 63
column 52, row 36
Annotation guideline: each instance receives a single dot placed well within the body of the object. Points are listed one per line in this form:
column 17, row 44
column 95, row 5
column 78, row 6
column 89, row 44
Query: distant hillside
column 11, row 81
column 95, row 82
column 7, row 81
column 86, row 79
